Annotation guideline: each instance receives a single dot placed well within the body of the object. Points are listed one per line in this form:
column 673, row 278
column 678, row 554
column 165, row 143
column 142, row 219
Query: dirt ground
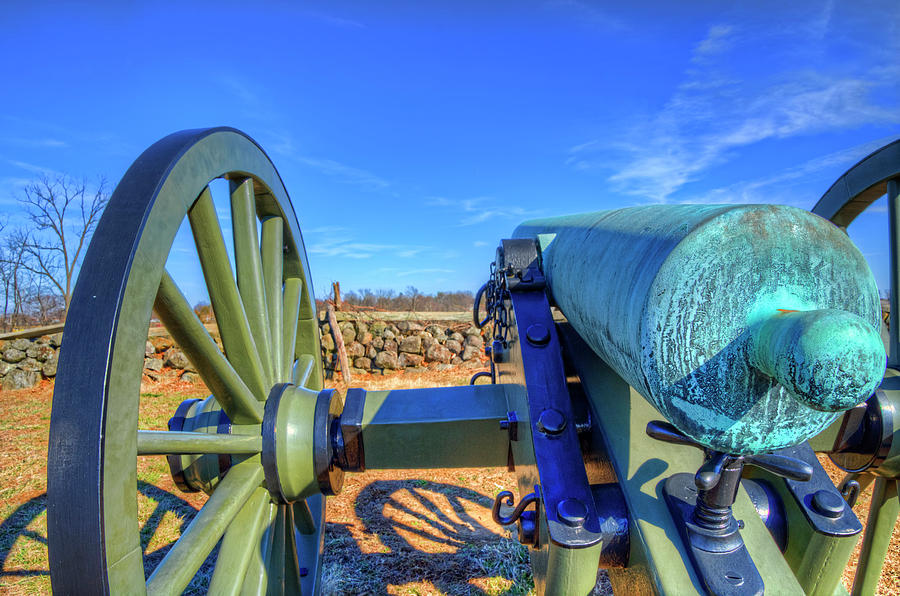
column 388, row 532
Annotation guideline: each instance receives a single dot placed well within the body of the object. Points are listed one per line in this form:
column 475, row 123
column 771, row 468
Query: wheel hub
column 297, row 451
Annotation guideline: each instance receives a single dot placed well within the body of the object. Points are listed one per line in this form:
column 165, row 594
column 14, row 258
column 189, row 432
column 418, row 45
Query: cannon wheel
column 266, row 314
column 873, row 177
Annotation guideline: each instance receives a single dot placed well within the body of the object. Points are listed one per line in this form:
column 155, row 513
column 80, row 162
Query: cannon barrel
column 749, row 327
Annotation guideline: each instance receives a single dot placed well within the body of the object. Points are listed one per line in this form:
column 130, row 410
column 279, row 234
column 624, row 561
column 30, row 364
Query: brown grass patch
column 395, row 532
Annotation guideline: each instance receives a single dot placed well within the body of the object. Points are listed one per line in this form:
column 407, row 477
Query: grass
column 398, row 532
column 164, row 512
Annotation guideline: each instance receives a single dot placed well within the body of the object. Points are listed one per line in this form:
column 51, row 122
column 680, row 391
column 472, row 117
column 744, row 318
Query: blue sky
column 413, row 136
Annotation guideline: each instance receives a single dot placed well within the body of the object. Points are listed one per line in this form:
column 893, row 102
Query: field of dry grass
column 409, row 532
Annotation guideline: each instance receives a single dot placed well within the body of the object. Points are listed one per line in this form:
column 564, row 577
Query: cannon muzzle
column 748, row 327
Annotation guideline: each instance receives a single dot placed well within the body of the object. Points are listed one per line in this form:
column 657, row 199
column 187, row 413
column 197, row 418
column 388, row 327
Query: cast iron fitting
column 328, row 409
column 346, row 433
column 717, row 484
column 295, row 424
column 865, row 441
column 196, row 473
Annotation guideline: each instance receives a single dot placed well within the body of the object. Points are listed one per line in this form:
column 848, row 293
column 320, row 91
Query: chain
column 493, row 293
column 497, row 314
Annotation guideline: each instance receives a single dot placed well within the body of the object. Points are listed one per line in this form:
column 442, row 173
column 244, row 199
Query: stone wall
column 383, row 346
column 163, row 360
column 24, row 362
column 373, row 346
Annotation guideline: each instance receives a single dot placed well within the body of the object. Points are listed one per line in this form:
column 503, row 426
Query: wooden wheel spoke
column 249, row 268
column 310, row 542
column 303, row 370
column 272, row 250
column 303, row 519
column 275, row 564
column 162, row 442
column 293, row 288
column 283, row 566
column 198, row 345
column 183, row 560
column 223, row 293
column 291, row 563
column 242, row 540
column 97, row 415
column 256, row 578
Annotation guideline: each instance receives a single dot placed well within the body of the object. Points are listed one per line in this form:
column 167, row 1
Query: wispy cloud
column 43, row 143
column 336, row 21
column 283, row 144
column 345, row 173
column 588, row 13
column 715, row 112
column 717, row 40
column 34, row 169
column 336, row 241
column 429, row 271
column 782, row 187
column 481, row 209
column 240, row 89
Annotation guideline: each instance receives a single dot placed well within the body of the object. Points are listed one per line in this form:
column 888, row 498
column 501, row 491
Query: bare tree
column 15, row 278
column 63, row 213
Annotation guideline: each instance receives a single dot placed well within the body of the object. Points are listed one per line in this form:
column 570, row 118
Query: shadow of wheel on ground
column 23, row 540
column 416, row 536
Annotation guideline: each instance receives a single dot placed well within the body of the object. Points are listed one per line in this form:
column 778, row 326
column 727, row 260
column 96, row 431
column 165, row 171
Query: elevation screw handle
column 663, row 431
column 780, row 465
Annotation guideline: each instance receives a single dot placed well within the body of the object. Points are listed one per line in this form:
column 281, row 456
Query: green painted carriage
column 661, row 378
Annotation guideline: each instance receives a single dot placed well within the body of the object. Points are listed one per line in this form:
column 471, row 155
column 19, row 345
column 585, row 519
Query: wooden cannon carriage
column 660, row 379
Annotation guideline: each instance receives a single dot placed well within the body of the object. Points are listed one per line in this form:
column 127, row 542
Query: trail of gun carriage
column 671, row 399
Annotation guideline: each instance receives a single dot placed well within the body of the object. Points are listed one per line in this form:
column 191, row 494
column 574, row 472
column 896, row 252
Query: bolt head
column 537, row 335
column 572, row 512
column 828, row 503
column 551, row 422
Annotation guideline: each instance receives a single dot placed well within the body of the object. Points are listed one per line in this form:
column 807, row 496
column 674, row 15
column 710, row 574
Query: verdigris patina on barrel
column 749, row 327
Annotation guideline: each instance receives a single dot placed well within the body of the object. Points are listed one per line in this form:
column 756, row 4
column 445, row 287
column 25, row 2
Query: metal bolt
column 537, row 335
column 504, row 424
column 497, row 351
column 572, row 512
column 551, row 422
column 734, row 579
column 828, row 503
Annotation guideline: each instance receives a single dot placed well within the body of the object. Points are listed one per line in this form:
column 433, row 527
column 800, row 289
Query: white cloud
column 715, row 112
column 45, row 143
column 717, row 40
column 348, row 248
column 336, row 21
column 423, row 272
column 782, row 187
column 278, row 142
column 588, row 14
column 35, row 169
column 240, row 89
column 481, row 209
column 346, row 173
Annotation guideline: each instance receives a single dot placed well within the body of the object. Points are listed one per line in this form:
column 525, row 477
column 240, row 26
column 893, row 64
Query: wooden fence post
column 336, row 287
column 339, row 344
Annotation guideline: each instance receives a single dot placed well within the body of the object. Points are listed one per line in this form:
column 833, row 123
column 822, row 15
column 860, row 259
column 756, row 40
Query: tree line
column 410, row 299
column 39, row 257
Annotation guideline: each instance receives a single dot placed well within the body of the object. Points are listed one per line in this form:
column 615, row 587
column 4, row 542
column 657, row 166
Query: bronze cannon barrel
column 749, row 327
